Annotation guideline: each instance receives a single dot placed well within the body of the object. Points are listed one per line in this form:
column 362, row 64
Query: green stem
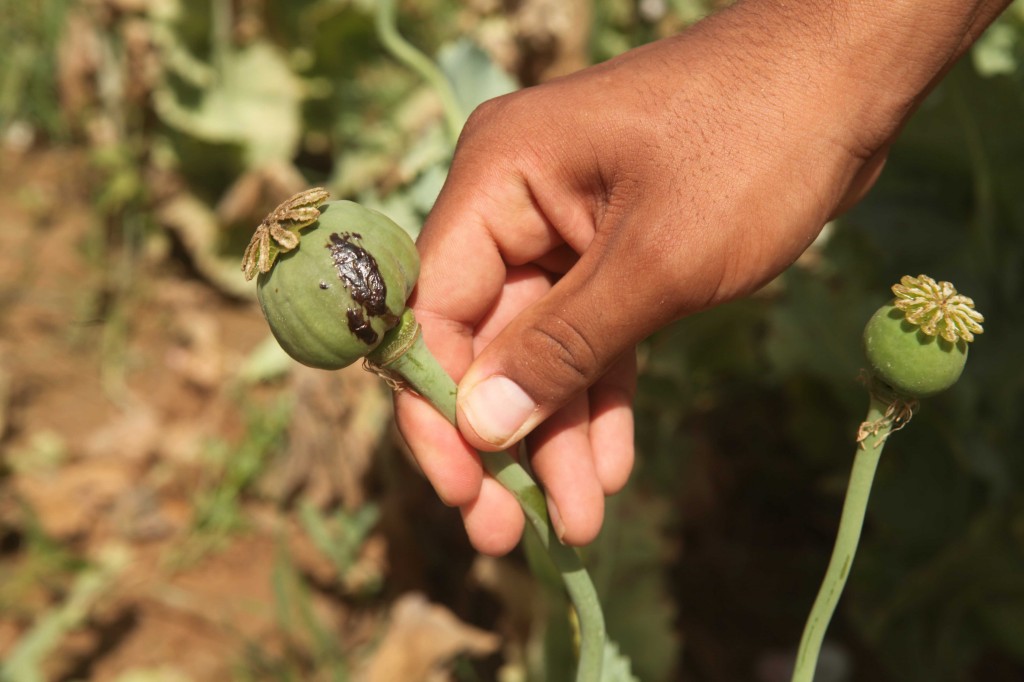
column 404, row 354
column 850, row 524
column 405, row 52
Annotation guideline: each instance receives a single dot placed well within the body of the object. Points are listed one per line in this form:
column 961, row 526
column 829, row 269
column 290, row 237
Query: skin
column 584, row 214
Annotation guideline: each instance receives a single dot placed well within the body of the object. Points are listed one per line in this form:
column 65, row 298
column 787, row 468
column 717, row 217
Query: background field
column 179, row 502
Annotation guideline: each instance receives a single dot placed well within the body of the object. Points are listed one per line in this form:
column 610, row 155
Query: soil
column 117, row 392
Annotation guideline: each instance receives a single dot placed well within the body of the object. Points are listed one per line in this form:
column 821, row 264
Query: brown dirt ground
column 107, row 408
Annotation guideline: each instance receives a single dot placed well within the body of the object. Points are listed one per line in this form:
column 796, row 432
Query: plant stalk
column 404, row 355
column 865, row 462
column 408, row 54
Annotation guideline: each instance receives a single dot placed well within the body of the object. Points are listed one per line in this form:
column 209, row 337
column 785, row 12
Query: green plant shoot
column 916, row 346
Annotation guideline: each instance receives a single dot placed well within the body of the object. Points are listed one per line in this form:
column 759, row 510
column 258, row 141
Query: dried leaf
column 79, row 57
column 71, row 501
column 421, row 638
column 337, row 426
column 196, row 227
column 257, row 191
column 129, row 437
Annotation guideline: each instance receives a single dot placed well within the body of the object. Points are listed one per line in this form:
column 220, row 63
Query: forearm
column 885, row 54
column 915, row 39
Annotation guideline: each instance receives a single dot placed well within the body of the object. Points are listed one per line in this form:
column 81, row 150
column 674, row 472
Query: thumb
column 553, row 350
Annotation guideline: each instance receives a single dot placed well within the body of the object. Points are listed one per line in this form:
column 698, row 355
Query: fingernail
column 556, row 521
column 496, row 409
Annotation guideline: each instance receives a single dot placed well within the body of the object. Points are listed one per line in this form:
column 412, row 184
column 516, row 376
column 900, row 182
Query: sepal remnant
column 279, row 231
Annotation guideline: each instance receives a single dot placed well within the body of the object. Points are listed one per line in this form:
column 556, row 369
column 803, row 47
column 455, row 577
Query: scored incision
column 359, row 272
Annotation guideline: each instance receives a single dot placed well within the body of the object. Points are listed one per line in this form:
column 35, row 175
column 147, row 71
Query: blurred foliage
column 312, row 651
column 24, row 663
column 29, row 32
column 771, row 385
column 340, row 537
column 199, row 115
column 233, row 468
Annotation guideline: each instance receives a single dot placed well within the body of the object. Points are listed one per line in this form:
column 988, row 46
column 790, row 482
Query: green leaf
column 474, row 76
column 995, row 52
column 616, row 666
column 341, row 535
column 265, row 363
column 816, row 331
column 627, row 563
column 25, row 661
column 254, row 100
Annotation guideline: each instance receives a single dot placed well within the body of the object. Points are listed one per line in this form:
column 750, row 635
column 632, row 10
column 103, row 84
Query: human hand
column 581, row 215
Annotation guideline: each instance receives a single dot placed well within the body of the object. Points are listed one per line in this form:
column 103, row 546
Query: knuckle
column 481, row 116
column 488, row 115
column 506, row 118
column 491, row 137
column 569, row 350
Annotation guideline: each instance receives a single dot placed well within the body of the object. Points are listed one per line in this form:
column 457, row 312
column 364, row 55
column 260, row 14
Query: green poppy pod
column 330, row 300
column 908, row 360
column 917, row 344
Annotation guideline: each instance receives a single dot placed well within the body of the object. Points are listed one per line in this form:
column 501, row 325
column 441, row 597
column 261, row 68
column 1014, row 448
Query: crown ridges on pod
column 937, row 309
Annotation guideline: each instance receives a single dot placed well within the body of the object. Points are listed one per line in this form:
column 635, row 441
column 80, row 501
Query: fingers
column 611, row 428
column 494, row 521
column 563, row 460
column 463, row 261
column 585, row 451
column 580, row 454
column 575, row 464
column 492, row 516
column 444, row 457
column 471, row 288
column 556, row 349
